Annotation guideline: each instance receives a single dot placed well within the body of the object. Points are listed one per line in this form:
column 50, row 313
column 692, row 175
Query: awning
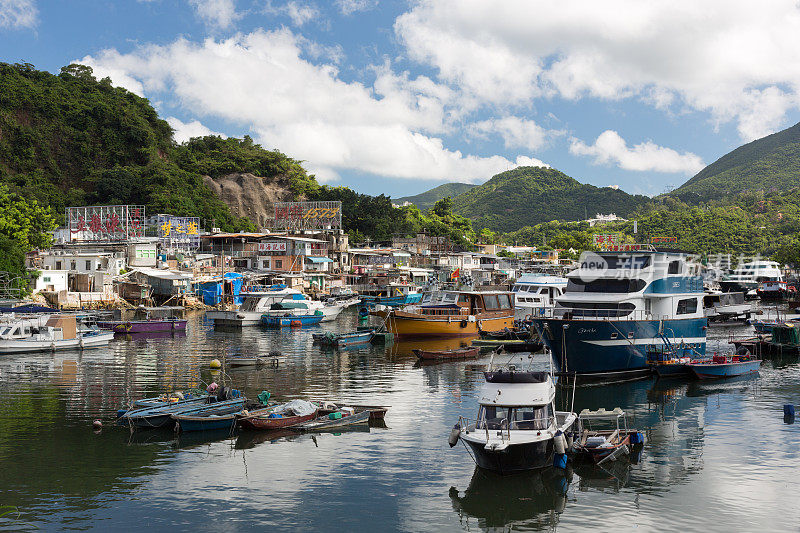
column 315, row 259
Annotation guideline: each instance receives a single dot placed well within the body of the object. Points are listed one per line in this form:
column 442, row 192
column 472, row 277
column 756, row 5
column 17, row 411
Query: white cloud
column 348, row 7
column 18, row 14
column 610, row 148
column 220, row 14
column 737, row 60
column 187, row 130
column 515, row 132
column 263, row 81
column 298, row 12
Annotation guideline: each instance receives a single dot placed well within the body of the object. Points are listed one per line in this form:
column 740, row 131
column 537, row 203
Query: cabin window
column 674, row 267
column 463, row 299
column 491, row 417
column 490, row 302
column 606, row 285
column 687, row 306
column 505, row 303
column 530, row 417
column 596, row 309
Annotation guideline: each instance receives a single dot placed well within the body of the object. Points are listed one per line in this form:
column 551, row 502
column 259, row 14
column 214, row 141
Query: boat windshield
column 519, row 418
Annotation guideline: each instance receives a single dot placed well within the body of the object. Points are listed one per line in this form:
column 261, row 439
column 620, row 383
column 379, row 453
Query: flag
column 455, row 273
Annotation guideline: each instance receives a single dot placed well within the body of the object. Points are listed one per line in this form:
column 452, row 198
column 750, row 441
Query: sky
column 397, row 97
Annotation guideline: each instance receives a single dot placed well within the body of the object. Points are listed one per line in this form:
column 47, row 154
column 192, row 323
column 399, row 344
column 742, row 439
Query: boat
column 604, row 444
column 616, row 306
column 342, row 418
column 376, row 412
column 161, row 416
column 277, row 416
column 453, row 314
column 517, row 427
column 514, row 346
column 269, row 360
column 343, row 339
column 392, row 295
column 746, row 277
column 220, row 415
column 721, row 306
column 145, row 323
column 466, row 352
column 48, row 334
column 507, row 334
column 773, row 290
column 669, row 361
column 724, row 366
column 535, row 292
column 291, row 314
column 255, row 304
column 168, row 399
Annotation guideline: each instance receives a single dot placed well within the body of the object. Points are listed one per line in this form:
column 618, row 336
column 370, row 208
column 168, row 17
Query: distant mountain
column 770, row 164
column 526, row 196
column 425, row 200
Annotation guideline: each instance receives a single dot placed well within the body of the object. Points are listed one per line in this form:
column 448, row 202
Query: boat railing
column 573, row 313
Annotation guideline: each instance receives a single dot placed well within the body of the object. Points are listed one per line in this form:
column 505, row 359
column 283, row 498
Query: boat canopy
column 517, row 394
column 292, row 304
column 602, row 414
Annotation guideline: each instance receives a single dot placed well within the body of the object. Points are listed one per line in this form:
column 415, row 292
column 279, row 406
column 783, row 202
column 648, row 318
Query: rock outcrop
column 250, row 196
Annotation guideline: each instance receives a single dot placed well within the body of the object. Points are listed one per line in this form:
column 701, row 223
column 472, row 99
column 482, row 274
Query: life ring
column 463, row 323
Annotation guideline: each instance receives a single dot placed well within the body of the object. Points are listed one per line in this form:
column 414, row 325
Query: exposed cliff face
column 250, row 196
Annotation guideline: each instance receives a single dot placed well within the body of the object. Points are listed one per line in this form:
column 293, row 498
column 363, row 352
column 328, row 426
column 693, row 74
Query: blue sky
column 397, row 97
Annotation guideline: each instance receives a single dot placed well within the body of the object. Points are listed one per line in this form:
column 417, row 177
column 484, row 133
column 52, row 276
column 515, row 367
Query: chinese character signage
column 105, row 223
column 179, row 233
column 308, row 215
column 607, row 242
column 663, row 240
column 272, row 246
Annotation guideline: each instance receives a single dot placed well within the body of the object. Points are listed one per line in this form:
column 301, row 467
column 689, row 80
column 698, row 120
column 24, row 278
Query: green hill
column 771, row 164
column 69, row 139
column 526, row 196
column 425, row 200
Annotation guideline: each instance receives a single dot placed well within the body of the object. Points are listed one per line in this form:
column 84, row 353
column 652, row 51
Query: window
column 674, row 267
column 606, row 285
column 687, row 306
column 595, row 309
column 278, row 263
column 505, row 303
column 490, row 302
column 46, row 279
column 58, row 265
column 514, row 418
column 72, row 265
column 88, row 265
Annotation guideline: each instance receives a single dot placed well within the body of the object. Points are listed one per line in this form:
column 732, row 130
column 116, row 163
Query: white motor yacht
column 517, row 424
column 49, row 333
column 255, row 304
column 533, row 293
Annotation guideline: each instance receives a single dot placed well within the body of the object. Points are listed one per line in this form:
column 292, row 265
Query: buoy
column 97, row 424
column 455, row 434
column 215, row 363
column 560, row 443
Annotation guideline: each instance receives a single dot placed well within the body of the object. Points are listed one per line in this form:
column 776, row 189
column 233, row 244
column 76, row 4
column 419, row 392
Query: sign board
column 179, row 233
column 105, row 223
column 272, row 246
column 606, row 241
column 663, row 240
column 308, row 215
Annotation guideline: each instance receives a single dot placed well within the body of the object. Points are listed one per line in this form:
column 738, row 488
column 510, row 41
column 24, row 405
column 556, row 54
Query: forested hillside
column 425, row 200
column 526, row 196
column 770, row 164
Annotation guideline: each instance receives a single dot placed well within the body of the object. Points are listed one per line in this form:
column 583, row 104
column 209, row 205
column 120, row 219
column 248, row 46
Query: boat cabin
column 466, row 303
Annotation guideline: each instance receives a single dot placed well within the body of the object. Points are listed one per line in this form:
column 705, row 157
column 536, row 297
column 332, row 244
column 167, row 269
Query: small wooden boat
column 506, row 334
column 170, row 399
column 161, row 416
column 510, row 346
column 669, row 360
column 269, row 360
column 331, row 421
column 465, row 352
column 143, row 326
column 602, row 445
column 721, row 366
column 376, row 412
column 344, row 339
column 270, row 418
column 221, row 415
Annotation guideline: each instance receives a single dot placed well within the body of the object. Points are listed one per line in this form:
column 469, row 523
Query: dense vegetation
column 70, row 140
column 24, row 225
column 425, row 200
column 526, row 196
column 771, row 164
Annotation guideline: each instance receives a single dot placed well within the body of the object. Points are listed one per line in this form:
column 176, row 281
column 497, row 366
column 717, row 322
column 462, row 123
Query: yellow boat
column 453, row 314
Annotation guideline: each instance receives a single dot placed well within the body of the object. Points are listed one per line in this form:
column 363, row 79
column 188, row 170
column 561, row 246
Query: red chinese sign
column 105, row 222
column 308, row 215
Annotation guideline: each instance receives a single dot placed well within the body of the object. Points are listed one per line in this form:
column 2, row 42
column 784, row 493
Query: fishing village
column 298, row 266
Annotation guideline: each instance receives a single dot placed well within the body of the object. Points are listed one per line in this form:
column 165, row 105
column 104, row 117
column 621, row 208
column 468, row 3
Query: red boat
column 466, row 352
column 261, row 420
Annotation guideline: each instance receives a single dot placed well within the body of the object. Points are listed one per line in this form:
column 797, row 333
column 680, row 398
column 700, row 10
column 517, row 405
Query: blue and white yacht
column 619, row 304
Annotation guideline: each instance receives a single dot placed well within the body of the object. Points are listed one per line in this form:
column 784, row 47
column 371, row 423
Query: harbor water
column 718, row 456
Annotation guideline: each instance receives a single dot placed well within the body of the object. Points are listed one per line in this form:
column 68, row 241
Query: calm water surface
column 717, row 457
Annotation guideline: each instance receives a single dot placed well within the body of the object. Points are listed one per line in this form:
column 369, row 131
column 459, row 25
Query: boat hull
column 80, row 343
column 143, row 326
column 438, row 355
column 235, row 318
column 409, row 327
column 616, row 348
column 520, row 457
column 724, row 370
column 291, row 321
column 267, row 424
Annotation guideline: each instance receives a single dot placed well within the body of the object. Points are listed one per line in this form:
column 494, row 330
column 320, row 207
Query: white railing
column 571, row 313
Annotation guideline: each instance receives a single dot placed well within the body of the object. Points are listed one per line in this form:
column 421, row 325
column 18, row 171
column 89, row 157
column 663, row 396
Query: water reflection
column 531, row 501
